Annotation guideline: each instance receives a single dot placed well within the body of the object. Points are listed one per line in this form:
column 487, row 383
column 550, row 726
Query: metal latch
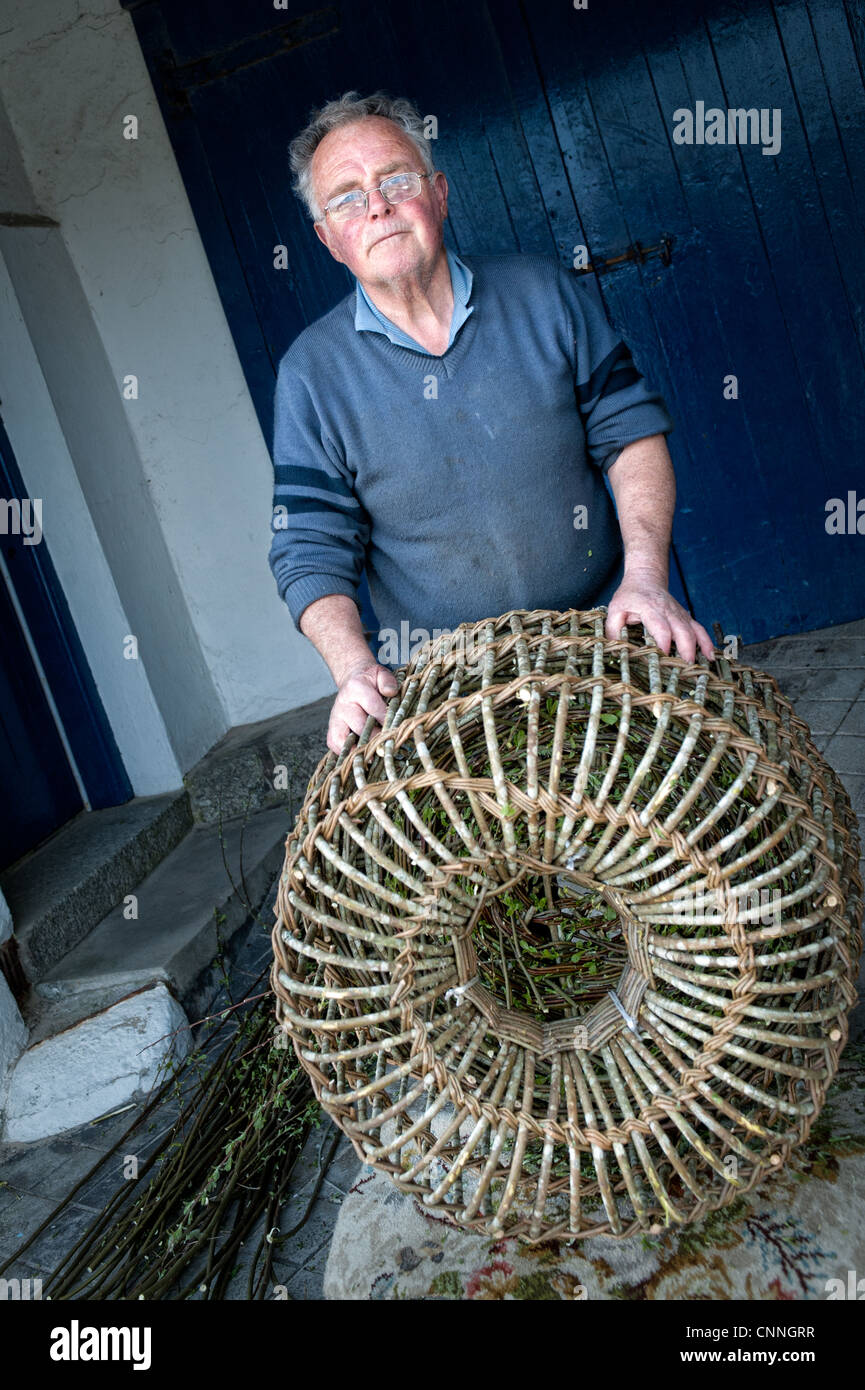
column 635, row 253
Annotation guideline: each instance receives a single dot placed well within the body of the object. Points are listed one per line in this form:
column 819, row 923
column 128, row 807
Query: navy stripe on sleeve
column 613, row 374
column 293, row 475
column 296, row 505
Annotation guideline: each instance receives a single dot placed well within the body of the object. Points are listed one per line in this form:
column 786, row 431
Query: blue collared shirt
column 367, row 316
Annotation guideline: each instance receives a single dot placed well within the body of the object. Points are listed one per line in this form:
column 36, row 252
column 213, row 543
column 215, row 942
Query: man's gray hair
column 345, row 110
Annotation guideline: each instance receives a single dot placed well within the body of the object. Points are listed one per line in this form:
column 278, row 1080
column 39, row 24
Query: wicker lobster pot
column 567, row 947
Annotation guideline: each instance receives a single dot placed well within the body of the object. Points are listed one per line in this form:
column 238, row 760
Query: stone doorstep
column 94, row 1066
column 237, row 775
column 59, row 891
column 175, row 936
column 87, row 960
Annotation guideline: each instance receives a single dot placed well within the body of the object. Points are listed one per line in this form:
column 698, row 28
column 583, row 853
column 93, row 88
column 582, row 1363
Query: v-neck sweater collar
column 426, row 363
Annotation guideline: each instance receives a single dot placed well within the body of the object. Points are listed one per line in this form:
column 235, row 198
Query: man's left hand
column 643, row 600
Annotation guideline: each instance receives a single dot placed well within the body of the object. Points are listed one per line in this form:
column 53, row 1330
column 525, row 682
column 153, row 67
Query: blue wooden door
column 555, row 128
column 45, row 686
column 39, row 791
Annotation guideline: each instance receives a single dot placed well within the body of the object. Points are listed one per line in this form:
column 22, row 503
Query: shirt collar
column 367, row 317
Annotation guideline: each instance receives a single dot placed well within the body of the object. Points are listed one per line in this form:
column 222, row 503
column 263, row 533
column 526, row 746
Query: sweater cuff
column 663, row 425
column 300, row 593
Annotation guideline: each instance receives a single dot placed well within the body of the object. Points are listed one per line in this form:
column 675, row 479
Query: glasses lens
column 349, row 205
column 401, row 187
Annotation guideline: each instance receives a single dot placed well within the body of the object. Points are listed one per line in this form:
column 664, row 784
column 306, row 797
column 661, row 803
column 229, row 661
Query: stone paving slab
column 846, row 754
column 854, row 720
column 842, row 683
column 60, row 1236
column 61, row 1164
column 806, row 649
column 19, row 1218
column 825, row 717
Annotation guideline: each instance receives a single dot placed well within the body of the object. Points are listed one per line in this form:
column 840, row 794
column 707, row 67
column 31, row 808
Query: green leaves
column 551, row 958
column 228, row 1157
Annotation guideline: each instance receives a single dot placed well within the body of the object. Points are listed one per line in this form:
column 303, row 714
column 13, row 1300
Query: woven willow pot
column 567, row 947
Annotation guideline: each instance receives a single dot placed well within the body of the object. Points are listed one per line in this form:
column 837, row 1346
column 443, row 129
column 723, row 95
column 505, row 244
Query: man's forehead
column 350, row 149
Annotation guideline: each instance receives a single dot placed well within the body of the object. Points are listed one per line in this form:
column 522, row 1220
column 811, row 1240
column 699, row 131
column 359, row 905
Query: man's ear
column 441, row 187
column 321, row 233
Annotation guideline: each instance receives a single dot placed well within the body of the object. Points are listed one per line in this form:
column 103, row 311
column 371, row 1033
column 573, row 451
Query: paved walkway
column 823, row 673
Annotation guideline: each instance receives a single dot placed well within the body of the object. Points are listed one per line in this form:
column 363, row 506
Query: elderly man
column 449, row 425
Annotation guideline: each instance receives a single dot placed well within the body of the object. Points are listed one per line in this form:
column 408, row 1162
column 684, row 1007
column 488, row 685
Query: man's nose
column 377, row 204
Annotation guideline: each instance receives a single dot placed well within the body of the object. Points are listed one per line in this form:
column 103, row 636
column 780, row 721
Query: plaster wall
column 78, row 557
column 178, row 481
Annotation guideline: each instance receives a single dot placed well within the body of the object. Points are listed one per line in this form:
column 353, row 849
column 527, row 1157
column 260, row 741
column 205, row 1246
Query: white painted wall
column 124, row 287
column 36, row 437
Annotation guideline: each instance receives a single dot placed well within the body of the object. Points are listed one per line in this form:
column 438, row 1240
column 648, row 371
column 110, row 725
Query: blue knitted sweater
column 470, row 483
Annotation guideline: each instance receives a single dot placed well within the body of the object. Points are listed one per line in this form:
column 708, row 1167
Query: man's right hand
column 363, row 690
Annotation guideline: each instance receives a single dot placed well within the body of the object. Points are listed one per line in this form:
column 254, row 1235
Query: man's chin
column 392, row 248
column 393, row 260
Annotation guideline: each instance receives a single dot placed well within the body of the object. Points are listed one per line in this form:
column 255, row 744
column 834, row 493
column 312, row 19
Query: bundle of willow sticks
column 219, row 1180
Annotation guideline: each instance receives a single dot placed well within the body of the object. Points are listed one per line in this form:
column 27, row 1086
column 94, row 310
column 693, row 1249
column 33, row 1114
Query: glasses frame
column 328, row 207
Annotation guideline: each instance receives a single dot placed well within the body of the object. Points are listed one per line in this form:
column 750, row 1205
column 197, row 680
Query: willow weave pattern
column 567, row 947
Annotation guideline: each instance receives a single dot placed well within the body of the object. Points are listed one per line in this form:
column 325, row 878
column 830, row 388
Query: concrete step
column 259, row 765
column 187, row 907
column 58, row 892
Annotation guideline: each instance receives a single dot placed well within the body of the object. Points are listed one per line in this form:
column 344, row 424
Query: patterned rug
column 788, row 1239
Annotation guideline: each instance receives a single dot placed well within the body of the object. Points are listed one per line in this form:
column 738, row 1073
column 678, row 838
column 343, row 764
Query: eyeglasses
column 396, row 188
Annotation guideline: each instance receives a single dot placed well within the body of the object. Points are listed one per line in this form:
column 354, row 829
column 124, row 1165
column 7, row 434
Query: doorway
column 58, row 756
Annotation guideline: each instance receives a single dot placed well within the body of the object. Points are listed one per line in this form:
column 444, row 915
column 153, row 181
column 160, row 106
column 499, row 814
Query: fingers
column 359, row 696
column 686, row 632
column 614, row 623
column 618, row 616
column 704, row 641
column 661, row 630
column 685, row 638
column 387, row 681
column 689, row 635
column 653, row 620
column 665, row 624
column 345, row 718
